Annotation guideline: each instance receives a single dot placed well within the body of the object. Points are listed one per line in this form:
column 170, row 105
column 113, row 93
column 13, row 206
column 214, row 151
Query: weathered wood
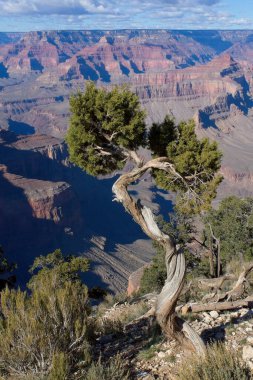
column 218, row 306
column 215, row 283
column 171, row 324
column 239, row 288
column 236, row 292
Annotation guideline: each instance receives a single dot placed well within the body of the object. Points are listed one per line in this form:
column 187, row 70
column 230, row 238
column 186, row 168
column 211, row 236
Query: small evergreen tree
column 106, row 129
column 232, row 224
column 103, row 127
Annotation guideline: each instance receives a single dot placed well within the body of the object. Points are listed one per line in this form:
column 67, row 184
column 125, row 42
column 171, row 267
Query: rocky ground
column 150, row 356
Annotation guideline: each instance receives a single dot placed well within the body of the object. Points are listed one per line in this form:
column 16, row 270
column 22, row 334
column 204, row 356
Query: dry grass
column 114, row 370
column 220, row 363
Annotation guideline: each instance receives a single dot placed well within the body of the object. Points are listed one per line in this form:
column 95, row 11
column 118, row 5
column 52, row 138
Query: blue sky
column 25, row 15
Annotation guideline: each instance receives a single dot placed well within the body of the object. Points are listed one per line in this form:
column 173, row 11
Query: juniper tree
column 232, row 225
column 106, row 130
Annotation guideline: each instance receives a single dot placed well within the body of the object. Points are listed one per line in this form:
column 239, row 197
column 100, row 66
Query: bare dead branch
column 223, row 301
column 218, row 306
column 215, row 283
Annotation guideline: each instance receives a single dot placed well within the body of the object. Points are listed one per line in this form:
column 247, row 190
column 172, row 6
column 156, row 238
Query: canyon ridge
column 203, row 75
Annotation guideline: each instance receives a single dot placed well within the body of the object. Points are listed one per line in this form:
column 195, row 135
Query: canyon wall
column 44, row 202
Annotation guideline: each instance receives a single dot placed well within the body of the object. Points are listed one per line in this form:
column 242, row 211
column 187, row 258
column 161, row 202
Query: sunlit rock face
column 31, row 185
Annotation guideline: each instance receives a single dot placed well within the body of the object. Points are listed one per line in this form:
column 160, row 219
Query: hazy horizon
column 127, row 29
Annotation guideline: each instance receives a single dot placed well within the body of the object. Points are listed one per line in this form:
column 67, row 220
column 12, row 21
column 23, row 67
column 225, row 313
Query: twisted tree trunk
column 171, row 324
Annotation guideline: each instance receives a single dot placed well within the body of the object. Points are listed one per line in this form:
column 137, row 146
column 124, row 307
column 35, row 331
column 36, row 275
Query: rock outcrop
column 134, row 281
column 39, row 210
column 28, row 196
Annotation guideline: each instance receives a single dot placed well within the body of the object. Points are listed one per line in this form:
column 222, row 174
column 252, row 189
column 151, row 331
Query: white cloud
column 64, row 7
column 113, row 14
column 74, row 7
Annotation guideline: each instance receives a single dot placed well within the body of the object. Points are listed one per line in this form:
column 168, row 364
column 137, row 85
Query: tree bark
column 171, row 324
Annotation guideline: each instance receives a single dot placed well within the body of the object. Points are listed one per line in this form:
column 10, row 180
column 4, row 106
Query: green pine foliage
column 106, row 126
column 232, row 224
column 47, row 324
column 195, row 160
column 160, row 135
column 103, row 124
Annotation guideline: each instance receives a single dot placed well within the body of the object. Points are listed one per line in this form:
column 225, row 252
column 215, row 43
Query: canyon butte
column 46, row 203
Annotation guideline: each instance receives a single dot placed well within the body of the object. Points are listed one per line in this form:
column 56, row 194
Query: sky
column 27, row 15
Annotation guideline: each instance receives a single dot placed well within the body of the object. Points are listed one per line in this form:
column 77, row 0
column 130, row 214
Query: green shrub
column 29, row 376
column 133, row 311
column 60, row 367
column 114, row 370
column 110, row 300
column 105, row 326
column 48, row 325
column 220, row 363
column 232, row 223
column 154, row 275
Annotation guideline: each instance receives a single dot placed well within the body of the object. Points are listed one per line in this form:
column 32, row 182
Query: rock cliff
column 29, row 169
column 205, row 75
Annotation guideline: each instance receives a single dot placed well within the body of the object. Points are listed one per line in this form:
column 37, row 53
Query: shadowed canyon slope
column 205, row 75
column 46, row 204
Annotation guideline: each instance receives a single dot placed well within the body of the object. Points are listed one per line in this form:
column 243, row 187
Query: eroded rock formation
column 205, row 75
